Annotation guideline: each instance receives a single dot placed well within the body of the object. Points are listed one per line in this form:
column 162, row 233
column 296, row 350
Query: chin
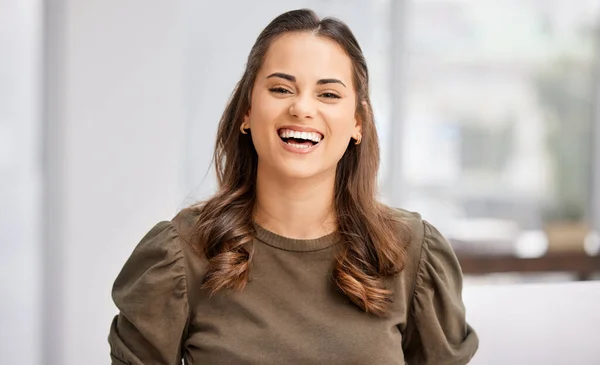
column 301, row 171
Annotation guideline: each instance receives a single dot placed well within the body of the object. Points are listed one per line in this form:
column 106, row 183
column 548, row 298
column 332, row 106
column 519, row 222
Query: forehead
column 309, row 56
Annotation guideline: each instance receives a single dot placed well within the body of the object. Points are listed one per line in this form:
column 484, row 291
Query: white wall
column 116, row 131
column 20, row 181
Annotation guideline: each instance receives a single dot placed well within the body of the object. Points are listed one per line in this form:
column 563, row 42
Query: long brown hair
column 373, row 241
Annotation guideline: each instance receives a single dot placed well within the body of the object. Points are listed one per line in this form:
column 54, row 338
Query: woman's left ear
column 358, row 122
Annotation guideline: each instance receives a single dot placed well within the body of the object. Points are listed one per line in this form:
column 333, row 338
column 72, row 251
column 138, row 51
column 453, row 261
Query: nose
column 303, row 107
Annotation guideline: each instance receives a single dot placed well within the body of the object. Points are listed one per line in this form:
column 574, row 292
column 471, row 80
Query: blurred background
column 488, row 113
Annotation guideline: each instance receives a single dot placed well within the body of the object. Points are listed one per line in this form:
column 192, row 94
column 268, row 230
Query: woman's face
column 303, row 108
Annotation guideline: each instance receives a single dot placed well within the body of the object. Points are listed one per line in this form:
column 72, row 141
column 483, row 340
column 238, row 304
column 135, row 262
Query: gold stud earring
column 243, row 129
column 358, row 139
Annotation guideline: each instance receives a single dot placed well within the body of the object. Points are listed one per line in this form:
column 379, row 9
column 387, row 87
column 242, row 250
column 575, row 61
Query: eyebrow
column 293, row 79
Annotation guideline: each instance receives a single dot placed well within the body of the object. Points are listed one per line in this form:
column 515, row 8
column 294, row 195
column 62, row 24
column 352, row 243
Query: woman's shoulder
column 169, row 236
column 410, row 225
column 421, row 230
column 427, row 250
column 185, row 223
column 156, row 265
column 410, row 218
column 423, row 241
column 164, row 257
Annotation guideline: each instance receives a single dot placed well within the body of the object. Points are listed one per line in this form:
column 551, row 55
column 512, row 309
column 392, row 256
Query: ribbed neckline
column 292, row 244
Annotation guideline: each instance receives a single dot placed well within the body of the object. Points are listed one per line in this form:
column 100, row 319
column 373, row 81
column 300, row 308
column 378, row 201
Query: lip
column 299, row 151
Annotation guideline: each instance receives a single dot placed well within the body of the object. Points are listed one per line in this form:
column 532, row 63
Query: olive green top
column 290, row 312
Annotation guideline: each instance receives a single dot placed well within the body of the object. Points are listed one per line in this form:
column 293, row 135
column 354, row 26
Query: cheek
column 263, row 115
column 264, row 112
column 341, row 127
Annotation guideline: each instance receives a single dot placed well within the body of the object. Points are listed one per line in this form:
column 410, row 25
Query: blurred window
column 499, row 110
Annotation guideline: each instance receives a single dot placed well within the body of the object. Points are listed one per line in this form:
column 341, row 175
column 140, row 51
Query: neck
column 300, row 209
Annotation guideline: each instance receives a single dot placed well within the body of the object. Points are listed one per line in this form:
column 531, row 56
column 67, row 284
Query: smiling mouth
column 300, row 140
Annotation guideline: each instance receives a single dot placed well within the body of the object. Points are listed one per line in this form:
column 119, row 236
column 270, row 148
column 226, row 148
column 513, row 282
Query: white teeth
column 300, row 146
column 308, row 136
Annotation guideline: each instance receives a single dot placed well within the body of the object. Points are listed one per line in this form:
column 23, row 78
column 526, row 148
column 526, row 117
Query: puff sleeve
column 151, row 295
column 438, row 333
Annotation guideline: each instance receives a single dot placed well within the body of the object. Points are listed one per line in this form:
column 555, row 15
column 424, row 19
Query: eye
column 279, row 90
column 330, row 95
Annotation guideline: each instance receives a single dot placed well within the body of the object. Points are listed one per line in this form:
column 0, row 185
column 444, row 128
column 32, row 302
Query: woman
column 293, row 260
